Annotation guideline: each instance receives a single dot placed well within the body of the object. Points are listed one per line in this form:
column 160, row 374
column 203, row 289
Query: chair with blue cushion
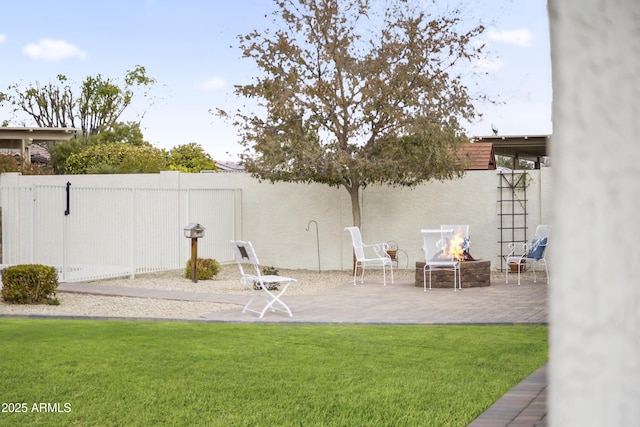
column 533, row 253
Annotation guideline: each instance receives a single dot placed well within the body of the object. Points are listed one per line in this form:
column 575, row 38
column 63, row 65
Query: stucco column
column 595, row 285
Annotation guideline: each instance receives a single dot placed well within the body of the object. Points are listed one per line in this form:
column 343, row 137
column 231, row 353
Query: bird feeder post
column 194, row 231
column 194, row 259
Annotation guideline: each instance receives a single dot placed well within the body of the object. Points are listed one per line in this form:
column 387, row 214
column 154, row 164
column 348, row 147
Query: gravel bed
column 226, row 282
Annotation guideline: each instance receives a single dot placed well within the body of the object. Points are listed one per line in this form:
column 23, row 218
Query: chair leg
column 276, row 299
column 546, row 270
column 384, row 275
column 424, row 278
column 355, row 273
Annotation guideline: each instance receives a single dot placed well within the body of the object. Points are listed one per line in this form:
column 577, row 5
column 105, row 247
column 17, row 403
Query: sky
column 190, row 48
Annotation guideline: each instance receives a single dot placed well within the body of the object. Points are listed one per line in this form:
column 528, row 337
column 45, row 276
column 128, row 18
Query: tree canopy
column 111, row 154
column 114, row 157
column 96, row 104
column 190, row 158
column 107, row 145
column 119, row 133
column 356, row 92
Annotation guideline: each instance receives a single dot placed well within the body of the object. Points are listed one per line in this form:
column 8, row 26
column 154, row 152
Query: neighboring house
column 479, row 154
column 23, row 141
column 228, row 167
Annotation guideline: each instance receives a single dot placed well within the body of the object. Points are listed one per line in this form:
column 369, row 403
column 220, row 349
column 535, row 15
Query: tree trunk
column 354, row 193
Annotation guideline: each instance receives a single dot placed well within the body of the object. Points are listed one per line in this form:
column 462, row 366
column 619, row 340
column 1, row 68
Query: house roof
column 224, row 166
column 39, row 154
column 477, row 155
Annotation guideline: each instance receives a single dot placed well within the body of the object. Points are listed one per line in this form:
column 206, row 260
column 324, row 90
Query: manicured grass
column 112, row 373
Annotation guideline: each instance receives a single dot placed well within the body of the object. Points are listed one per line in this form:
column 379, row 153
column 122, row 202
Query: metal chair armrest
column 380, row 249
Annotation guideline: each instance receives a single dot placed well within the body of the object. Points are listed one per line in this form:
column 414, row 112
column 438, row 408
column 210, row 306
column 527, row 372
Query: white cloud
column 520, row 37
column 214, row 83
column 53, row 50
column 3, row 38
column 487, row 64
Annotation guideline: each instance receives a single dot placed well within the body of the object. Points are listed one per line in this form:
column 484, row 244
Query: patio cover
column 526, row 147
column 19, row 139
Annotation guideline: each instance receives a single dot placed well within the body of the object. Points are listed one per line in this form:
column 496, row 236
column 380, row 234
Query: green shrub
column 207, row 268
column 30, row 284
column 268, row 271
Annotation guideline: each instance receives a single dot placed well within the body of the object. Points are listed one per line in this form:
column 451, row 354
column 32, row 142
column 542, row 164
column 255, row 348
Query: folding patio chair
column 533, row 253
column 438, row 257
column 253, row 279
column 374, row 254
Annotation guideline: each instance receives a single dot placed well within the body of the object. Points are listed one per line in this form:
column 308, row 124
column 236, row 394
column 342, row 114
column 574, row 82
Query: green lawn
column 118, row 373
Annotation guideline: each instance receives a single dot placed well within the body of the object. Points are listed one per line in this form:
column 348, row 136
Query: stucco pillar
column 25, row 150
column 595, row 286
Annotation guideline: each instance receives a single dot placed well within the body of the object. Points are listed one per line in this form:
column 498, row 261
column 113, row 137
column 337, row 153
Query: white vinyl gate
column 97, row 233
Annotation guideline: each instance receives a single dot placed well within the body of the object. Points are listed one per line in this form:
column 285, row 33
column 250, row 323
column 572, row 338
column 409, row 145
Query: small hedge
column 207, row 268
column 30, row 284
column 268, row 271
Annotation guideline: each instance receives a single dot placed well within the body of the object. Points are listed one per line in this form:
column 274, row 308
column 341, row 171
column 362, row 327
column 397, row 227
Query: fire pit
column 473, row 273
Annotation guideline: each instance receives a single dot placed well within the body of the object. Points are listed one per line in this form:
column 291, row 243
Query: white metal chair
column 245, row 255
column 372, row 255
column 533, row 253
column 438, row 257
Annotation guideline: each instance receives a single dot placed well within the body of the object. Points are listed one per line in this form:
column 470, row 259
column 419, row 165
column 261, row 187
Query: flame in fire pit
column 457, row 248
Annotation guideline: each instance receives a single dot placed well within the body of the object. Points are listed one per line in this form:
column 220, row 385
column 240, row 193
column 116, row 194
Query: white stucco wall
column 275, row 217
column 595, row 292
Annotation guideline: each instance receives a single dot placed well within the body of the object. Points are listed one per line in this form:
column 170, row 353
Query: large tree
column 356, row 92
column 93, row 106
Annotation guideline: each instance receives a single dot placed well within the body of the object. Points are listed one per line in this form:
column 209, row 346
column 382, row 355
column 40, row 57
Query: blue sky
column 187, row 47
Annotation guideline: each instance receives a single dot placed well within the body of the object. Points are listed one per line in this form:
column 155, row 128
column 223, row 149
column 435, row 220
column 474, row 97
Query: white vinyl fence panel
column 113, row 232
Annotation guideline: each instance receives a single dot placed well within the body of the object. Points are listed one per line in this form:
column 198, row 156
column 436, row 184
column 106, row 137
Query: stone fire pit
column 473, row 273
